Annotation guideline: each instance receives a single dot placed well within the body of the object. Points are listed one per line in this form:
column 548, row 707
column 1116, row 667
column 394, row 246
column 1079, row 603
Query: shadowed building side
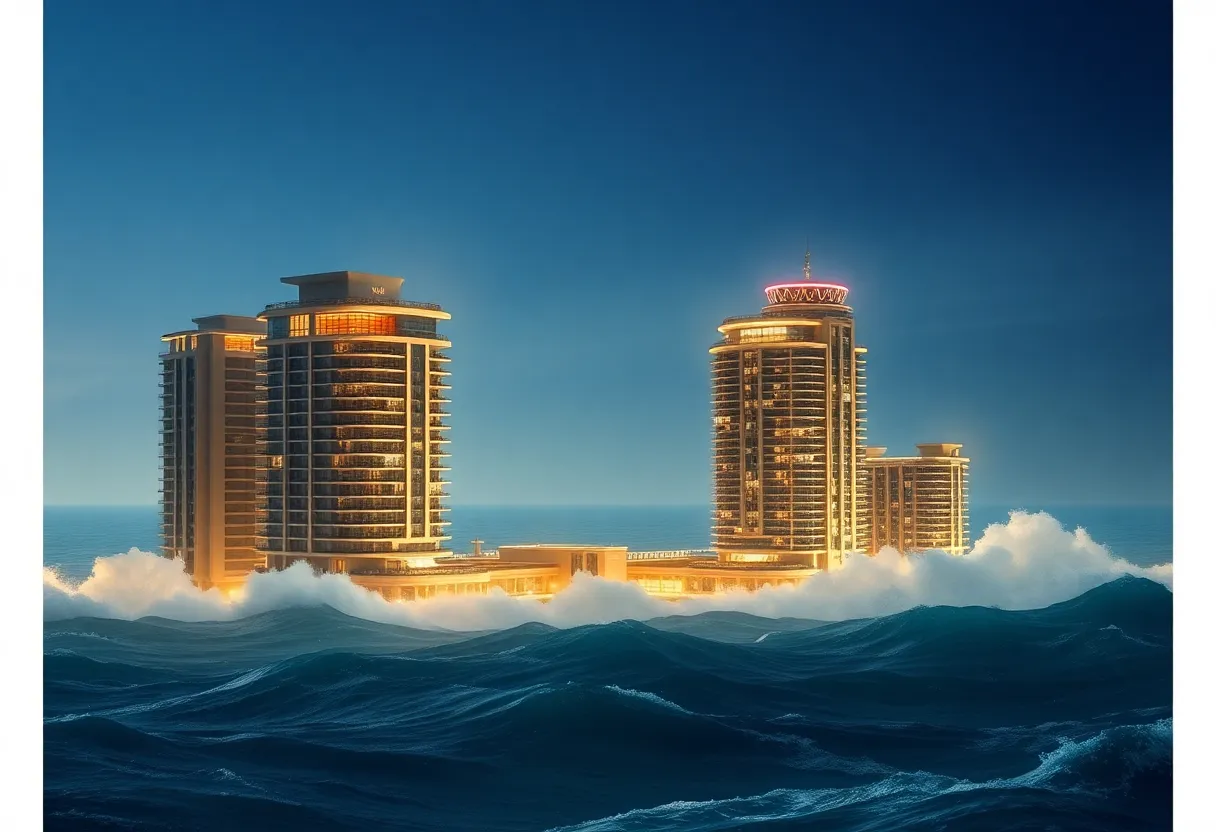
column 211, row 387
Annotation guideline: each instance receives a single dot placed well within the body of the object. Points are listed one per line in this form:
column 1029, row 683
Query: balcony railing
column 746, row 566
column 404, row 304
column 672, row 554
column 424, row 570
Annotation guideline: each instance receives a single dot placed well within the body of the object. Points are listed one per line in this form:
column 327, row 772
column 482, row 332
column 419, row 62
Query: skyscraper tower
column 356, row 436
column 211, row 385
column 788, row 389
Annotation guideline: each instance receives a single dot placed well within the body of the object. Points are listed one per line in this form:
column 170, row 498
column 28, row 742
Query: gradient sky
column 590, row 188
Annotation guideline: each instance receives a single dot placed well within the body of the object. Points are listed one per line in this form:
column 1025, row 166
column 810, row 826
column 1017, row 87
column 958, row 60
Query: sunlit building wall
column 211, row 386
column 919, row 502
column 788, row 406
column 356, row 441
column 541, row 570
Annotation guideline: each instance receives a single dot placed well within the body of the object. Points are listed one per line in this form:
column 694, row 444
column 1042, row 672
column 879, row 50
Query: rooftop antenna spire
column 806, row 262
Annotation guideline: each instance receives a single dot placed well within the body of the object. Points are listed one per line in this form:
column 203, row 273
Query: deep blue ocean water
column 936, row 718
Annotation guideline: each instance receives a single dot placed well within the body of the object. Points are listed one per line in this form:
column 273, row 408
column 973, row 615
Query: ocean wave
column 933, row 717
column 1126, row 762
column 984, row 664
column 1029, row 562
column 647, row 697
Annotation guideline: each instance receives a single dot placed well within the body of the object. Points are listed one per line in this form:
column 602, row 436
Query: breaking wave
column 931, row 718
column 1029, row 562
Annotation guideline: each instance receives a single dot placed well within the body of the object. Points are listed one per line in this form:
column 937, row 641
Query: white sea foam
column 1135, row 747
column 232, row 684
column 1031, row 561
column 653, row 698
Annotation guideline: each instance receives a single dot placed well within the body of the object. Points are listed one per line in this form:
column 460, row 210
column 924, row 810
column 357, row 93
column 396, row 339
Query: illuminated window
column 356, row 323
column 765, row 333
column 661, row 585
column 298, row 326
column 238, row 343
column 193, row 342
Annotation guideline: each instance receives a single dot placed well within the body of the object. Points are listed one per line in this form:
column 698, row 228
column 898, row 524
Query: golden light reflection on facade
column 357, row 389
column 919, row 502
column 211, row 392
column 359, row 323
column 788, row 409
column 326, row 442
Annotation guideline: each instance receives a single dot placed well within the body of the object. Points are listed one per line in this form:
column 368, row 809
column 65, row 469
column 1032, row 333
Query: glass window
column 409, row 325
column 765, row 333
column 356, row 323
column 238, row 343
column 298, row 326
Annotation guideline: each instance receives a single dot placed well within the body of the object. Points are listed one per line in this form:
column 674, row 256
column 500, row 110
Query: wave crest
column 1029, row 562
column 1122, row 760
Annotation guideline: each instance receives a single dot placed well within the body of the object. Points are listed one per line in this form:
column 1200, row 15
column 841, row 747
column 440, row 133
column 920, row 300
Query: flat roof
column 223, row 325
column 327, row 277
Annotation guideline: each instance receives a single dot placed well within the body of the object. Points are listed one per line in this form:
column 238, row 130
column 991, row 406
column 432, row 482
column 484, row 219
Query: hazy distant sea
column 74, row 536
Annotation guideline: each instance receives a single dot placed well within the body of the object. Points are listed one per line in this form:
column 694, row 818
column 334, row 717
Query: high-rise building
column 788, row 389
column 356, row 459
column 211, row 385
column 919, row 502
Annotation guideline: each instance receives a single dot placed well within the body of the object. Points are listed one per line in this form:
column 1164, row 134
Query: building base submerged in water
column 542, row 570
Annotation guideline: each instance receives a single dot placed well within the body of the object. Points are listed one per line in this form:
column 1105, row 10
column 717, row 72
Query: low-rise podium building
column 918, row 502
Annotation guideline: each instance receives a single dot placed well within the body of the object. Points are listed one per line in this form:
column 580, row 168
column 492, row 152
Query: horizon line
column 1009, row 505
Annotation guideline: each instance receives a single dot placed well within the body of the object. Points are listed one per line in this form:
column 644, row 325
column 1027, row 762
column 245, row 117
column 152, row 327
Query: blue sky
column 590, row 188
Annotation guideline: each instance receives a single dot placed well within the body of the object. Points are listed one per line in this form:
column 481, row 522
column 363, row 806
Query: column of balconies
column 795, row 447
column 726, row 411
column 169, row 438
column 244, row 396
column 357, row 483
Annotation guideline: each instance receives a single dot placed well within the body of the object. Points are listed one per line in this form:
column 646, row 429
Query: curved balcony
column 363, row 404
column 357, row 531
column 346, row 362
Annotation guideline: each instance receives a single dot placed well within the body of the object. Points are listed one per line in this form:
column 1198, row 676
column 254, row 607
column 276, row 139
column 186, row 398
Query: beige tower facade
column 788, row 405
column 211, row 386
column 919, row 502
column 356, row 439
